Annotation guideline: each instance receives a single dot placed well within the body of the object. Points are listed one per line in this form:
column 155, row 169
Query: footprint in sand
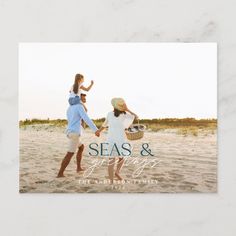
column 26, row 189
column 186, row 187
column 175, row 177
column 168, row 185
column 41, row 182
column 161, row 179
column 59, row 191
column 23, row 191
column 92, row 191
column 141, row 185
column 70, row 187
column 84, row 189
column 189, row 183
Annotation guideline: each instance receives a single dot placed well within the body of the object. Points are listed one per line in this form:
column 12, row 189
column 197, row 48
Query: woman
column 117, row 121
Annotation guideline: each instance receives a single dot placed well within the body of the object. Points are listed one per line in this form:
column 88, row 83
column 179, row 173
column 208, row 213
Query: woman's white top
column 116, row 131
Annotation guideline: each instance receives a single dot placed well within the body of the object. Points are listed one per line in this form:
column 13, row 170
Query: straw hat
column 118, row 103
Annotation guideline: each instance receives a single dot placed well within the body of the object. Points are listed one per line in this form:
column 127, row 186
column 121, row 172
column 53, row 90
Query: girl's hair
column 118, row 112
column 78, row 78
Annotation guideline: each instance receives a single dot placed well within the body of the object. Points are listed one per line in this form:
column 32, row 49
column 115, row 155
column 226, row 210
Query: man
column 75, row 115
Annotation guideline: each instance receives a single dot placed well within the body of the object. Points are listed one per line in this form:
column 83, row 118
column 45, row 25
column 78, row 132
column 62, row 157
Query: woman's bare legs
column 118, row 168
column 111, row 165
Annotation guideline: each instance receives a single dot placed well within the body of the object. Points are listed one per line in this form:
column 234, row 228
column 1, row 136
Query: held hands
column 97, row 133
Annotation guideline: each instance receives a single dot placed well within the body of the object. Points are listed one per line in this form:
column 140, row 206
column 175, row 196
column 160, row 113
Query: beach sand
column 183, row 163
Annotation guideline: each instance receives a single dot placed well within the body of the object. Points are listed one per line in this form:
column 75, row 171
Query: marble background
column 117, row 21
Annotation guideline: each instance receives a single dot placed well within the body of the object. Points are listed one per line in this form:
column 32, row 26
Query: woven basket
column 137, row 134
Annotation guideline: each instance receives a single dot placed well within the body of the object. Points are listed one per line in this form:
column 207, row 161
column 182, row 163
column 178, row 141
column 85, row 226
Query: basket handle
column 138, row 124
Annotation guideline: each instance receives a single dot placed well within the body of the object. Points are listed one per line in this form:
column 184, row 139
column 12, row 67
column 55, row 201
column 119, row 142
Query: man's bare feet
column 60, row 175
column 118, row 176
column 80, row 169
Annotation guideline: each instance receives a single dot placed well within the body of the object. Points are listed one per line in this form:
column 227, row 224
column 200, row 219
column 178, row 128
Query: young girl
column 75, row 91
column 117, row 121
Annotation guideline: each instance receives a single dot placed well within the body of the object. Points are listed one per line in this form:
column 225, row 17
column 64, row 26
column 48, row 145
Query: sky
column 157, row 80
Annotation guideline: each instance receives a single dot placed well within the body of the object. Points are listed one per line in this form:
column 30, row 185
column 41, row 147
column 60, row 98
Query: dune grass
column 186, row 126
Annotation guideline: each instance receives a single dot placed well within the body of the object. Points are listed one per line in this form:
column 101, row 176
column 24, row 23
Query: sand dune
column 185, row 164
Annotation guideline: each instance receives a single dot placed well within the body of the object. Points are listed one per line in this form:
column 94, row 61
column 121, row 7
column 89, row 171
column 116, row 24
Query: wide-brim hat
column 118, row 103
